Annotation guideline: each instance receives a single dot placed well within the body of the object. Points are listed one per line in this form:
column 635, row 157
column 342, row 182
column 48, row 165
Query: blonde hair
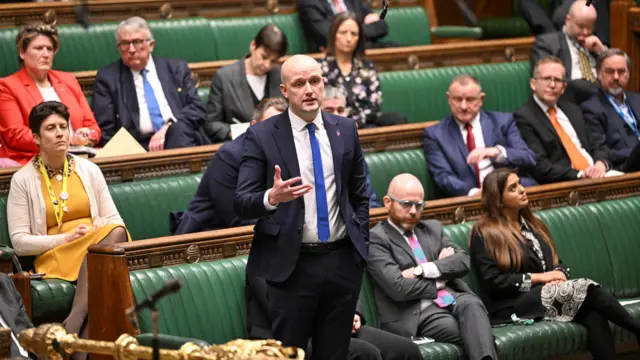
column 31, row 31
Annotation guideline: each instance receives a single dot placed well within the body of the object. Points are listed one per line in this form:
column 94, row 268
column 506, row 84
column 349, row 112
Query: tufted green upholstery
column 507, row 27
column 51, row 300
column 219, row 319
column 408, row 26
column 159, row 197
column 8, row 53
column 383, row 166
column 421, row 94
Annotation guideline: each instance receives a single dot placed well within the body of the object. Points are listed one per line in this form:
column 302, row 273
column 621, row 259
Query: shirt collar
column 300, row 125
column 151, row 67
column 542, row 105
column 474, row 123
column 613, row 98
column 398, row 228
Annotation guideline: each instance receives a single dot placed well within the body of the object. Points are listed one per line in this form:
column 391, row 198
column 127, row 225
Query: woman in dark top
column 344, row 67
column 519, row 267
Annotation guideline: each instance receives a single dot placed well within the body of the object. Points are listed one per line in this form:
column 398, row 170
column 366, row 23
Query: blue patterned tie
column 152, row 103
column 321, row 190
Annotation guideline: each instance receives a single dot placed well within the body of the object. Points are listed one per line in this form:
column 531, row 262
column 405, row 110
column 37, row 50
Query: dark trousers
column 179, row 135
column 595, row 313
column 318, row 301
column 466, row 323
column 371, row 343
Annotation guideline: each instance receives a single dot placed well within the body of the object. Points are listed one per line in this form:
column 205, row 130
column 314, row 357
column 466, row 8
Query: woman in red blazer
column 33, row 84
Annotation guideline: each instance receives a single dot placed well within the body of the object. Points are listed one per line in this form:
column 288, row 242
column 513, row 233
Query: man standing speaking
column 302, row 175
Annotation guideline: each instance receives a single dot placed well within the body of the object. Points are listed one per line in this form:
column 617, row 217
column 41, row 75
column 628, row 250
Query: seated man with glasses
column 555, row 130
column 153, row 98
column 469, row 144
column 417, row 277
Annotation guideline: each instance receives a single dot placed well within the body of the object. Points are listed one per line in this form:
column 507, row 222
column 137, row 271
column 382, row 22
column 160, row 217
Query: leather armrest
column 457, row 32
column 168, row 342
column 22, row 281
column 7, row 256
column 6, row 253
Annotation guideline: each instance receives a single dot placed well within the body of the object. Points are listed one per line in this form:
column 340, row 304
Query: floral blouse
column 361, row 87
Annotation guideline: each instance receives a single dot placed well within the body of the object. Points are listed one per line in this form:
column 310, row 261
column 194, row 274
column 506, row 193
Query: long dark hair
column 502, row 239
column 333, row 31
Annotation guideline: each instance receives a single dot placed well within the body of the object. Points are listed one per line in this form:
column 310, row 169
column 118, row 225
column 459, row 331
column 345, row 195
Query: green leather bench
column 421, row 94
column 598, row 241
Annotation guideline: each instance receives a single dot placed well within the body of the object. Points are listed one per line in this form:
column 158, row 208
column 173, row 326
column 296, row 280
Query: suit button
column 299, row 229
column 415, row 312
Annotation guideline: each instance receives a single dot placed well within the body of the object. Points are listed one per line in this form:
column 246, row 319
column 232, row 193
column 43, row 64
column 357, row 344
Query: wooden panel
column 14, row 15
column 629, row 26
column 119, row 259
column 404, row 58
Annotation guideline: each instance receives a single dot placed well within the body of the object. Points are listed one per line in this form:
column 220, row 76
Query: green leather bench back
column 408, row 26
column 4, row 227
column 145, row 205
column 421, row 94
column 383, row 166
column 211, row 306
column 8, row 53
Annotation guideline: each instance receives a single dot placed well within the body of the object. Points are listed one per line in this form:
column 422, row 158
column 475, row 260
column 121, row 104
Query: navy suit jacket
column 115, row 103
column 212, row 206
column 13, row 311
column 608, row 131
column 446, row 152
column 278, row 234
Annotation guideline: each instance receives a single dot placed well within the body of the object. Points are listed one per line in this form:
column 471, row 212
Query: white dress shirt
column 50, row 94
column 567, row 126
column 429, row 269
column 576, row 73
column 3, row 323
column 305, row 161
column 485, row 165
column 146, row 126
column 257, row 84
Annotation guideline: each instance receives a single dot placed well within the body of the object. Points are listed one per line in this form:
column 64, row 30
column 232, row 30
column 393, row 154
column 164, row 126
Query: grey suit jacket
column 554, row 44
column 12, row 310
column 398, row 299
column 230, row 98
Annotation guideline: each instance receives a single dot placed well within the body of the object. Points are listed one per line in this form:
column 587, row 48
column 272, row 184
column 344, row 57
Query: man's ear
column 283, row 90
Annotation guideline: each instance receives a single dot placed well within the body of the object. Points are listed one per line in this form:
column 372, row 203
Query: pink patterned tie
column 444, row 298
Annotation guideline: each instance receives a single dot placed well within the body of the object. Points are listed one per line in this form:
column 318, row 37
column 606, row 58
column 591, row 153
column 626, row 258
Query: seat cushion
column 384, row 166
column 504, row 27
column 145, row 205
column 232, row 36
column 618, row 220
column 210, row 307
column 541, row 340
column 634, row 309
column 51, row 300
column 420, row 94
column 368, row 301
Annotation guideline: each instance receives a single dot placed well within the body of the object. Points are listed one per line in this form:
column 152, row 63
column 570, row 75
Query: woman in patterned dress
column 522, row 275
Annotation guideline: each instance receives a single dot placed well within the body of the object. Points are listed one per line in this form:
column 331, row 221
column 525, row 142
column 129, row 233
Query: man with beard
column 611, row 115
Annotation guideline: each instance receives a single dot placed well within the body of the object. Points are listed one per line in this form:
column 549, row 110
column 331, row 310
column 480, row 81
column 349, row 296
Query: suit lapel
column 65, row 95
column 565, row 53
column 456, row 135
column 425, row 243
column 337, row 148
column 283, row 136
column 578, row 126
column 399, row 240
column 168, row 86
column 30, row 86
column 129, row 96
column 487, row 130
column 242, row 90
column 540, row 116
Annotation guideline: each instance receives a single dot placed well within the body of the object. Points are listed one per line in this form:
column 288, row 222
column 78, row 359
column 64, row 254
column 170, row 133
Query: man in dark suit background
column 577, row 47
column 316, row 17
column 555, row 130
column 466, row 146
column 212, row 206
column 310, row 241
column 367, row 343
column 13, row 315
column 237, row 89
column 417, row 272
column 612, row 114
column 153, row 98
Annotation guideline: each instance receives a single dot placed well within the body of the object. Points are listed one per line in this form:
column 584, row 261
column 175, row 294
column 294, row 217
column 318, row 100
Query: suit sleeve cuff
column 265, row 201
column 440, row 284
column 580, row 174
column 430, row 270
column 502, row 157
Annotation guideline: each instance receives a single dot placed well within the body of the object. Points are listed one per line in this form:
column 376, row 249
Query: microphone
column 170, row 287
column 82, row 14
column 385, row 7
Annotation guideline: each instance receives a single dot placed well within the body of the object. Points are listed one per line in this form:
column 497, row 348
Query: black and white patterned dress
column 562, row 300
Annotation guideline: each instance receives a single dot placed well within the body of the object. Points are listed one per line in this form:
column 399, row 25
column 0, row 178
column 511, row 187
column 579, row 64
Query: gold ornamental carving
column 40, row 341
column 166, row 11
column 50, row 17
column 195, row 77
column 414, row 61
column 193, row 254
column 273, row 6
column 510, row 54
column 574, row 198
column 459, row 216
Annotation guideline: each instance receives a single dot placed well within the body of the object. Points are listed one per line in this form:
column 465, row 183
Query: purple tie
column 444, row 298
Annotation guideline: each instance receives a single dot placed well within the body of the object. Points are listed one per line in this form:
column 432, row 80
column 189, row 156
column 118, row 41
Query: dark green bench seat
column 585, row 238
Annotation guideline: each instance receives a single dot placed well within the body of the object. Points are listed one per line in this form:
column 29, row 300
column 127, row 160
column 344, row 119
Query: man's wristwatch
column 417, row 271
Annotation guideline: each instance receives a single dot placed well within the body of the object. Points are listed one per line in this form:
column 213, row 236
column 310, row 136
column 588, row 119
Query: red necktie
column 471, row 145
column 339, row 7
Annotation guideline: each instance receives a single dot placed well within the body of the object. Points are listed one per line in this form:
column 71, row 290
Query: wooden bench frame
column 106, row 324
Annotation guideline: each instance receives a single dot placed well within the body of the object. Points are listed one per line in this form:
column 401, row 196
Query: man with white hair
column 577, row 47
column 153, row 98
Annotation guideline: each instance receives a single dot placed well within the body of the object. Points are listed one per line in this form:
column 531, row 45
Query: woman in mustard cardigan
column 59, row 205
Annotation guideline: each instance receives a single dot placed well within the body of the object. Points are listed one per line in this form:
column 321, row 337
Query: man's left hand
column 597, row 171
column 478, row 155
column 356, row 324
column 157, row 140
column 593, row 44
column 371, row 18
column 446, row 252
